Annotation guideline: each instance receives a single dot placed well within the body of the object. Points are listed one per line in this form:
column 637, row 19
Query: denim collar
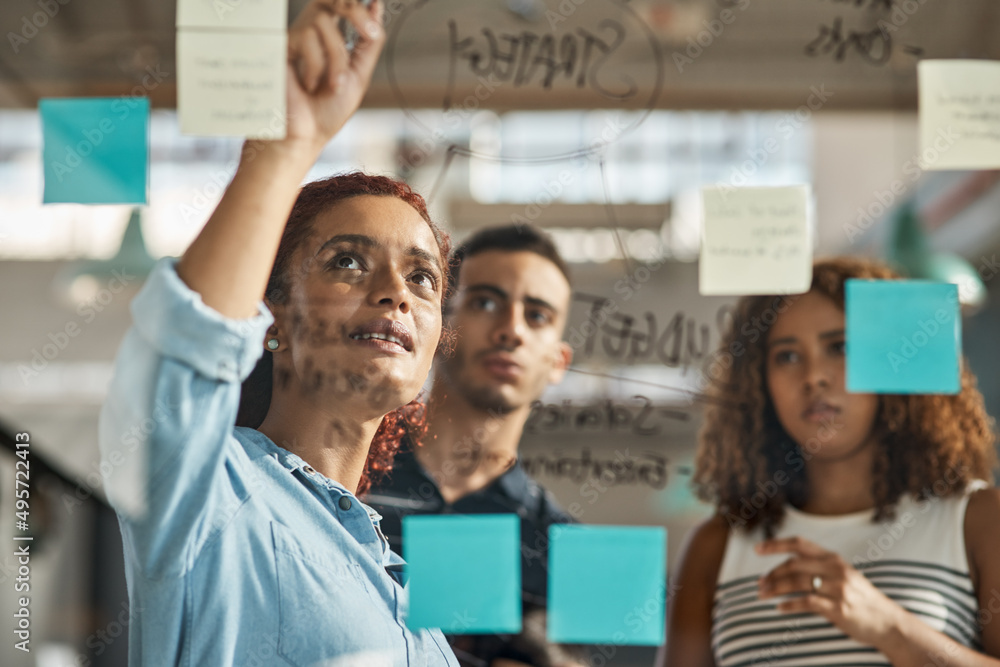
column 292, row 462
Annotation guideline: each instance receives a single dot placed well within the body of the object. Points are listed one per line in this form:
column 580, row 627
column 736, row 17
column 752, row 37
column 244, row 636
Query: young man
column 508, row 309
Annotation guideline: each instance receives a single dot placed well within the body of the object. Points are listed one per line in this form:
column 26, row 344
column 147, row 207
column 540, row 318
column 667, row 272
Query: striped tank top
column 917, row 559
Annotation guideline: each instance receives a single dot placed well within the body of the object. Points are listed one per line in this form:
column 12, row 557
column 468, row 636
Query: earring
column 273, row 344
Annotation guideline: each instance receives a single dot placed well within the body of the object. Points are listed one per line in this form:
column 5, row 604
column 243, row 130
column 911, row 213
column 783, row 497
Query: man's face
column 508, row 313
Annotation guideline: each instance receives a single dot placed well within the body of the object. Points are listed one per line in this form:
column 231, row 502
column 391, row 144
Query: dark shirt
column 410, row 490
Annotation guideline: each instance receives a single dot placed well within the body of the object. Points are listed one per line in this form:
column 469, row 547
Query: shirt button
column 308, row 469
column 345, row 503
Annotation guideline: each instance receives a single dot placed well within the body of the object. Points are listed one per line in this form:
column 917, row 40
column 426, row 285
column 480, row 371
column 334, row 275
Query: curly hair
column 928, row 445
column 314, row 198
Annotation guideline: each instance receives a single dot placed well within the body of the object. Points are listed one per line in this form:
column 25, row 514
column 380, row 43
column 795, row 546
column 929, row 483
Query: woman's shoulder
column 705, row 546
column 982, row 539
column 982, row 514
column 712, row 532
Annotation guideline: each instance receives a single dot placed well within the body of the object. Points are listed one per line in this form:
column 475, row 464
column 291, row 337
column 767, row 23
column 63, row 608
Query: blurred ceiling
column 502, row 54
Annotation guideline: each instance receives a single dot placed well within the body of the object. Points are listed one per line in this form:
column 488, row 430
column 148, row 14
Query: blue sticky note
column 607, row 584
column 903, row 337
column 95, row 150
column 464, row 572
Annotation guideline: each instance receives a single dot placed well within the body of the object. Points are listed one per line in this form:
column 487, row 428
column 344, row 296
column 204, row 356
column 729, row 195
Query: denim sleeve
column 172, row 468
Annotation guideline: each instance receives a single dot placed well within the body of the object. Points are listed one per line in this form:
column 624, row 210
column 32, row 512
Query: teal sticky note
column 607, row 584
column 902, row 336
column 95, row 150
column 464, row 572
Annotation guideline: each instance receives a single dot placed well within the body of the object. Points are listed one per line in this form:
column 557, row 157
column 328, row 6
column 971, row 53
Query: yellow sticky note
column 232, row 83
column 959, row 114
column 756, row 241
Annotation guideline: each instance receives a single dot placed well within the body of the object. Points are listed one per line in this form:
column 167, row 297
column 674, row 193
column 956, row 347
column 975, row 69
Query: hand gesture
column 326, row 82
column 831, row 588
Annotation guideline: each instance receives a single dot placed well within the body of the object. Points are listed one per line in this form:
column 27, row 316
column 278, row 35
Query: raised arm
column 168, row 454
column 325, row 87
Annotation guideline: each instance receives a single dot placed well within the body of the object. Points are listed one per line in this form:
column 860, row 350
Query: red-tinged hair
column 314, row 198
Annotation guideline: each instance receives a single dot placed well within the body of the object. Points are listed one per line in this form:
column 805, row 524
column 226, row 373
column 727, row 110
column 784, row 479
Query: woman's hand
column 326, row 82
column 844, row 596
column 325, row 86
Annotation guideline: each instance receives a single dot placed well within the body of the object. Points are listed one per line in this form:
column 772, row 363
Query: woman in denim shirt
column 248, row 546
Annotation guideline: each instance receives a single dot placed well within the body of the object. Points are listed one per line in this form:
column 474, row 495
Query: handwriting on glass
column 527, row 58
column 641, row 417
column 875, row 45
column 680, row 342
column 624, row 469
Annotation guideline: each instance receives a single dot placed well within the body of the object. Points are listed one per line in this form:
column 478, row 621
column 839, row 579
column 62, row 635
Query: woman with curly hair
column 244, row 537
column 850, row 529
